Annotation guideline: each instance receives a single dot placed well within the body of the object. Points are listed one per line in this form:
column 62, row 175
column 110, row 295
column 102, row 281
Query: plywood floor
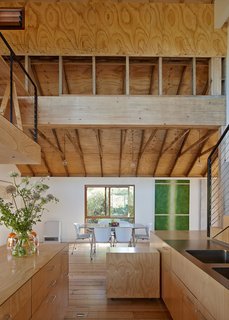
column 87, row 292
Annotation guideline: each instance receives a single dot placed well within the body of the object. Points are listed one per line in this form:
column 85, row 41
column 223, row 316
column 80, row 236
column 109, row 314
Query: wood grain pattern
column 119, row 28
column 15, row 272
column 126, row 111
column 16, row 147
column 133, row 273
column 87, row 294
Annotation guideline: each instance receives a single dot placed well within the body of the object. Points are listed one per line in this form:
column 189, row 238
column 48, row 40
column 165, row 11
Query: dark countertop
column 197, row 241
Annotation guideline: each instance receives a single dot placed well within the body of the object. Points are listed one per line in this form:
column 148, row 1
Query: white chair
column 100, row 235
column 123, row 235
column 85, row 235
column 144, row 234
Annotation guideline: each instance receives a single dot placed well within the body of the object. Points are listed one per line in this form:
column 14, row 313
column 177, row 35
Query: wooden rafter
column 140, row 151
column 199, row 141
column 181, row 79
column 122, row 143
column 206, row 88
column 207, row 151
column 192, row 163
column 151, row 79
column 65, row 164
column 65, row 80
column 143, row 148
column 43, row 136
column 31, row 169
column 181, row 136
column 43, row 157
column 77, row 146
column 178, row 154
column 35, row 77
column 160, row 152
column 17, row 108
column 98, row 139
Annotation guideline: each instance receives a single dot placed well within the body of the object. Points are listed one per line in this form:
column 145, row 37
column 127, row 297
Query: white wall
column 70, row 208
column 5, row 169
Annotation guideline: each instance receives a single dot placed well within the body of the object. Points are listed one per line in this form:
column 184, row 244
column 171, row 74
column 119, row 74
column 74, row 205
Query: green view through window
column 109, row 202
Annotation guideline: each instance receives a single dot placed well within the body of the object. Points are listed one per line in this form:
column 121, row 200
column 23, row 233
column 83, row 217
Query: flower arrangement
column 27, row 205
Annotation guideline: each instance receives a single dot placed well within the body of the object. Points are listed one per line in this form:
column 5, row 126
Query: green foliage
column 27, row 205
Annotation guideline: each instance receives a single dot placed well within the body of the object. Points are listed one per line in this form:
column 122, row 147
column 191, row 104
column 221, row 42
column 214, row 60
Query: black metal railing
column 218, row 183
column 13, row 59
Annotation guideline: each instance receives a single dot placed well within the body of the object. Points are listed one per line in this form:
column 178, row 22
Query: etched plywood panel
column 133, row 274
column 119, row 28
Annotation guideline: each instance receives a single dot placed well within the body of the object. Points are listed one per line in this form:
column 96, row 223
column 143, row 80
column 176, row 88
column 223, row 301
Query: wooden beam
column 36, row 80
column 61, row 152
column 207, row 151
column 43, row 136
column 181, row 136
column 216, row 75
column 160, row 77
column 122, row 143
column 47, row 167
column 178, row 154
column 17, row 108
column 151, row 79
column 160, row 152
column 140, row 151
column 98, row 139
column 77, row 146
column 43, row 157
column 181, row 79
column 15, row 146
column 127, row 85
column 199, row 141
column 122, row 111
column 93, row 76
column 5, row 76
column 194, row 76
column 60, row 73
column 192, row 163
column 144, row 147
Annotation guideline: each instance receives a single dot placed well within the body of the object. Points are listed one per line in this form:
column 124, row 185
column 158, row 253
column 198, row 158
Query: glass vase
column 24, row 246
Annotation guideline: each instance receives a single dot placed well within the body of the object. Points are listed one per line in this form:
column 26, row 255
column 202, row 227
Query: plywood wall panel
column 113, row 27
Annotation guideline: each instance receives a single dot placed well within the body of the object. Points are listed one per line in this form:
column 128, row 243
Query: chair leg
column 74, row 246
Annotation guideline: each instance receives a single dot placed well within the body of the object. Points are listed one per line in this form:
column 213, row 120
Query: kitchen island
column 191, row 289
column 36, row 285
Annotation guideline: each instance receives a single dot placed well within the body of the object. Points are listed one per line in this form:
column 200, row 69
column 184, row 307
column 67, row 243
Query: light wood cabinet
column 38, row 286
column 18, row 306
column 188, row 292
column 50, row 289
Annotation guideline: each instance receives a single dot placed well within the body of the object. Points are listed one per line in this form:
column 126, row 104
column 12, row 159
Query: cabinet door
column 165, row 275
column 189, row 307
column 176, row 298
column 18, row 306
column 192, row 308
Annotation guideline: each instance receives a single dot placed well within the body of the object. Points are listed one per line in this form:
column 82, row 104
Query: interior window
column 113, row 203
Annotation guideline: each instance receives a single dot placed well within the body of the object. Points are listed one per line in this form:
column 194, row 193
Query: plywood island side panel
column 133, row 273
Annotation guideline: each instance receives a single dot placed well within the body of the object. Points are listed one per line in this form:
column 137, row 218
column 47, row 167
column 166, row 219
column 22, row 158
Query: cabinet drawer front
column 45, row 281
column 18, row 306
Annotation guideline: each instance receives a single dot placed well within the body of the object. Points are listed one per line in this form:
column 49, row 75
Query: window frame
column 107, row 203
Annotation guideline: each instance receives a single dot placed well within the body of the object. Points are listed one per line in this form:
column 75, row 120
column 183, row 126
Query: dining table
column 134, row 226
